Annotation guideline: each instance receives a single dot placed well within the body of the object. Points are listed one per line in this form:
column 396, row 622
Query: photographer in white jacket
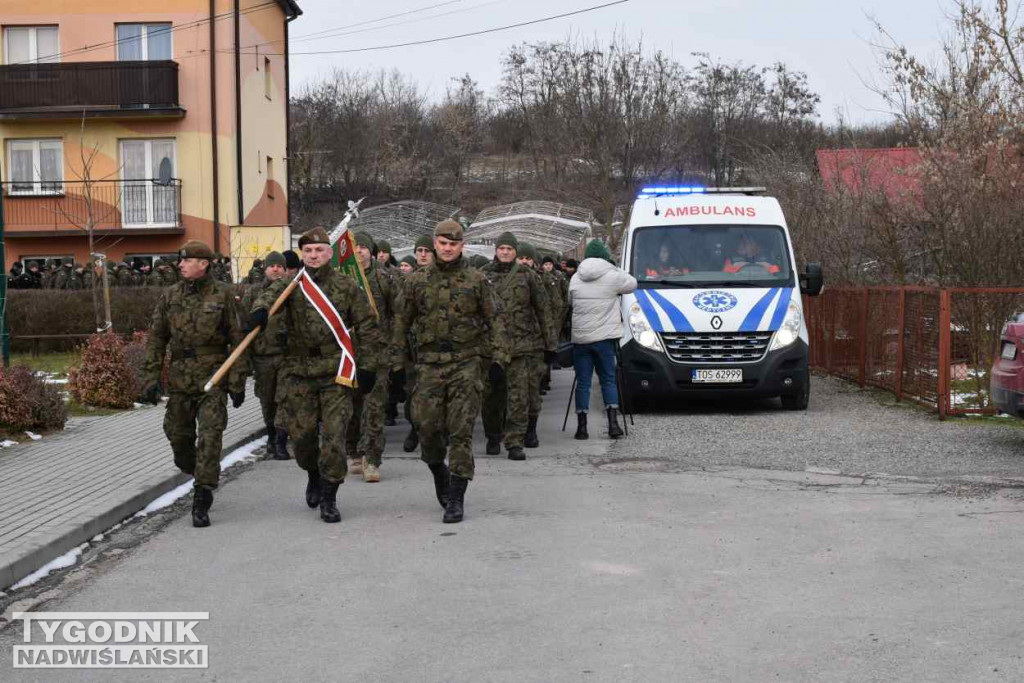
column 596, row 328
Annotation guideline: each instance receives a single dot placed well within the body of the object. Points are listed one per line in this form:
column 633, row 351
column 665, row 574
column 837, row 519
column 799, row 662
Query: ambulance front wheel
column 800, row 399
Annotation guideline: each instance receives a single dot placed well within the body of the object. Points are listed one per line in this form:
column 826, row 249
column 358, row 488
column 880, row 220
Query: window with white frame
column 145, row 202
column 143, row 42
column 31, row 44
column 35, row 166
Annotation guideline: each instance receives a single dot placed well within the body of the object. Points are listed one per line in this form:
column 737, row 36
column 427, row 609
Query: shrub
column 27, row 402
column 110, row 373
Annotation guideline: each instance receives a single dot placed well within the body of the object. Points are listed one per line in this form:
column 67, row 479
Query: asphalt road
column 650, row 559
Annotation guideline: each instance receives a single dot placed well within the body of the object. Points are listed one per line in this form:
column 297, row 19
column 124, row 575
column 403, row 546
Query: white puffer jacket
column 594, row 296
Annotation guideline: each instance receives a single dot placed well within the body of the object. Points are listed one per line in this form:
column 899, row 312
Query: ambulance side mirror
column 812, row 280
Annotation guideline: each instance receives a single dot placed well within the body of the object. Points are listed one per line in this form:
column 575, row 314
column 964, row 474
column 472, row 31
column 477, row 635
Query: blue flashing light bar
column 671, row 190
column 649, row 192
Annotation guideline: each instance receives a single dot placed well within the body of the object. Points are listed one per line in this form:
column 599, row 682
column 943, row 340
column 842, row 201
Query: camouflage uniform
column 449, row 310
column 312, row 406
column 525, row 313
column 123, row 276
column 366, row 429
column 267, row 353
column 60, row 280
column 198, row 321
column 76, row 280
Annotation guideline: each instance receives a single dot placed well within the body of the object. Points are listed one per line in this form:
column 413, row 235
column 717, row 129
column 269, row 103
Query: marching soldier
column 524, row 310
column 384, row 254
column 313, row 406
column 423, row 254
column 198, row 320
column 449, row 309
column 366, row 430
column 267, row 353
column 540, row 361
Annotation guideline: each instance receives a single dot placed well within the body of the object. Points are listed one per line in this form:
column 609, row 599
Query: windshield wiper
column 670, row 283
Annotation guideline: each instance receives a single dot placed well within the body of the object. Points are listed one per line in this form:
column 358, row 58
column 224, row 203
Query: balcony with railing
column 29, row 92
column 111, row 206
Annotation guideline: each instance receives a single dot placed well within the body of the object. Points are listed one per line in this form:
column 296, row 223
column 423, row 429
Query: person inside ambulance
column 748, row 253
column 666, row 264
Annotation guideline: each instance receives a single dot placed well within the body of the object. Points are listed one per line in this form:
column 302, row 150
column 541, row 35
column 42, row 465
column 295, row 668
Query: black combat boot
column 271, row 442
column 329, row 502
column 202, row 499
column 531, row 440
column 313, row 489
column 581, row 427
column 281, row 439
column 614, row 430
column 412, row 442
column 516, row 453
column 493, row 445
column 440, row 472
column 456, row 499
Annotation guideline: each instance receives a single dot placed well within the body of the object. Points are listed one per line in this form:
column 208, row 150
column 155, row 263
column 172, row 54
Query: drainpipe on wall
column 287, row 130
column 213, row 126
column 238, row 116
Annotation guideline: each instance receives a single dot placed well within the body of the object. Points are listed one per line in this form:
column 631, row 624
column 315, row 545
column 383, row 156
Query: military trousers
column 537, row 368
column 365, row 438
column 495, row 404
column 315, row 411
column 265, row 370
column 194, row 424
column 446, row 404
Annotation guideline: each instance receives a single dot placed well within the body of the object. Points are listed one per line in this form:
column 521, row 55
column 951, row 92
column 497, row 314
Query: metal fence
column 929, row 345
column 108, row 204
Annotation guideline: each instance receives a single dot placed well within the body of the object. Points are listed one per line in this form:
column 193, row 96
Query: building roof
column 892, row 171
column 290, row 7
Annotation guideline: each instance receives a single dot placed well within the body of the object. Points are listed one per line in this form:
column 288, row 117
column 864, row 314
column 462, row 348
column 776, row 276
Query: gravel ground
column 846, row 429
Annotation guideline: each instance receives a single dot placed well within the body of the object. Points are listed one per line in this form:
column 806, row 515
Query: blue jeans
column 588, row 357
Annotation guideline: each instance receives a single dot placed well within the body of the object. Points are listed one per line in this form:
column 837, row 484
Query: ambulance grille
column 716, row 347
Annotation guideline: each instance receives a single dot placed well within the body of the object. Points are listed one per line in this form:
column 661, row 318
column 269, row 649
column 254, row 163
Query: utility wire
column 312, row 36
column 457, row 36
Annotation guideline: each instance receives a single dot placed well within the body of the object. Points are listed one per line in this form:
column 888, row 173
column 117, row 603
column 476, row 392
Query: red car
column 1008, row 371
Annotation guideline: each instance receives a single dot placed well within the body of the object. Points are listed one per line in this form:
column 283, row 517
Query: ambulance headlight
column 641, row 330
column 789, row 332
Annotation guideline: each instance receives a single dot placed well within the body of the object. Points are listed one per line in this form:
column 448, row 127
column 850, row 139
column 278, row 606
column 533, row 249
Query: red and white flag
column 316, row 297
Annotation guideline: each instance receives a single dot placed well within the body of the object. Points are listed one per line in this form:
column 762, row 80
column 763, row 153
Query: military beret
column 547, row 259
column 424, row 242
column 275, row 258
column 292, row 260
column 67, row 261
column 507, row 239
column 411, row 260
column 159, row 262
column 315, row 236
column 363, row 239
column 33, row 264
column 384, row 246
column 449, row 229
column 195, row 249
column 527, row 250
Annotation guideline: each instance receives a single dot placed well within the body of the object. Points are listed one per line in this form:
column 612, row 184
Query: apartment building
column 144, row 124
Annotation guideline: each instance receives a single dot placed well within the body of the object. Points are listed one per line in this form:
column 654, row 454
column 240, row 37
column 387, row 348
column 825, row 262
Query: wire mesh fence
column 929, row 345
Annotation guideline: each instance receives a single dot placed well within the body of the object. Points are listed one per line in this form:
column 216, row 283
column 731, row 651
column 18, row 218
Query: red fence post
column 862, row 352
column 945, row 334
column 901, row 343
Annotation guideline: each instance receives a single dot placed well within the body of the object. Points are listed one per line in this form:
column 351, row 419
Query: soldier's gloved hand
column 151, row 392
column 495, row 373
column 257, row 320
column 550, row 357
column 398, row 378
column 237, row 398
column 366, row 379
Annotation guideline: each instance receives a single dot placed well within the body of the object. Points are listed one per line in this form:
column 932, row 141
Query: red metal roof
column 892, row 171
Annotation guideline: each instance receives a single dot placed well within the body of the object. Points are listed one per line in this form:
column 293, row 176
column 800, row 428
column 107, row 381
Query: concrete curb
column 38, row 556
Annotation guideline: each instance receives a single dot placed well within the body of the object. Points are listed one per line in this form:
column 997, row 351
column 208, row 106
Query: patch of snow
column 97, row 538
column 65, row 560
column 7, row 443
column 52, row 380
column 33, row 436
column 246, row 452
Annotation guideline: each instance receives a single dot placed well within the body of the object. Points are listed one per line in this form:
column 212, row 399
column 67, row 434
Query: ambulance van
column 718, row 308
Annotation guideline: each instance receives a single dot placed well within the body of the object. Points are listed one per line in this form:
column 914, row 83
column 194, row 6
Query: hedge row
column 42, row 311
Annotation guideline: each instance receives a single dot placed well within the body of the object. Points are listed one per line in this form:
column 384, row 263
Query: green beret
column 507, row 239
column 363, row 239
column 274, row 258
column 315, row 236
column 527, row 250
column 449, row 229
column 424, row 241
column 384, row 246
column 195, row 249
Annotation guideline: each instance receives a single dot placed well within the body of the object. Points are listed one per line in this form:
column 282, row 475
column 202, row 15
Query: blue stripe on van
column 648, row 308
column 679, row 320
column 780, row 309
column 750, row 323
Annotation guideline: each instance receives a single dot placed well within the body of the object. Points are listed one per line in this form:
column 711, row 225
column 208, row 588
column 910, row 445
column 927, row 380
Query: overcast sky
column 828, row 40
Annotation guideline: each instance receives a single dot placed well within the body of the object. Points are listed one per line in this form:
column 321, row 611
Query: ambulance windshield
column 711, row 255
